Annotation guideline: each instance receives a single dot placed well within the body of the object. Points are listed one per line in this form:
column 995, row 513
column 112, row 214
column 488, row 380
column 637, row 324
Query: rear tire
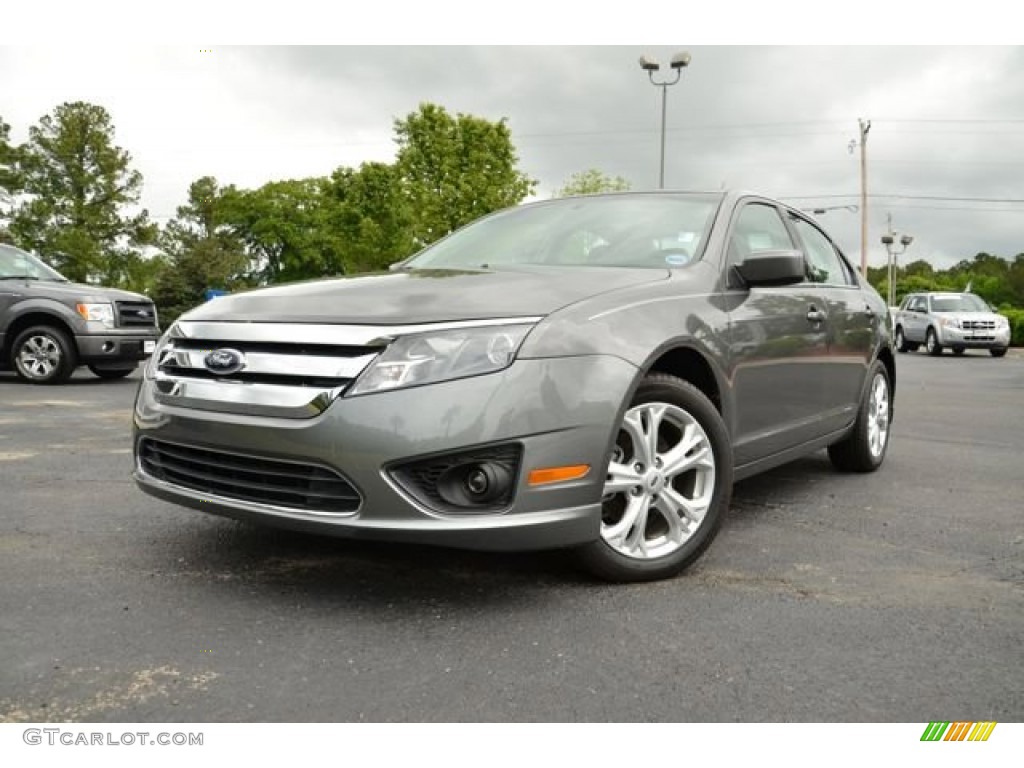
column 43, row 354
column 864, row 449
column 662, row 506
column 931, row 343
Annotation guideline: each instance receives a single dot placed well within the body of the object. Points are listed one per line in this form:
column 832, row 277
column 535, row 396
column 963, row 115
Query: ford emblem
column 224, row 362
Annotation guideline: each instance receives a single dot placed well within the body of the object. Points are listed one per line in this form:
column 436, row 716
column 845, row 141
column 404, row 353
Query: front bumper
column 561, row 411
column 997, row 338
column 116, row 348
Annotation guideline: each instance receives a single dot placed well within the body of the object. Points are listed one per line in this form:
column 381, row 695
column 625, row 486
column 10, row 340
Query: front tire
column 901, row 340
column 43, row 354
column 112, row 373
column 1000, row 352
column 931, row 343
column 864, row 449
column 668, row 484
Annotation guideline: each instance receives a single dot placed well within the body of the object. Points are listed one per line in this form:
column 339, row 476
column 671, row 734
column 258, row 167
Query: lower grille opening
column 247, row 478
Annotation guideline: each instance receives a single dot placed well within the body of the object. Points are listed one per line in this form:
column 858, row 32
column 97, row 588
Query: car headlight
column 950, row 322
column 97, row 313
column 427, row 358
column 1002, row 322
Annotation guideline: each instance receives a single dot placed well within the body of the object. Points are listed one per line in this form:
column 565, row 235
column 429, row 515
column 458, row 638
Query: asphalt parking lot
column 897, row 596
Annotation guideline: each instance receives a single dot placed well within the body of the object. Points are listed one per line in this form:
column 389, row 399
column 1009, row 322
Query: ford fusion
column 589, row 374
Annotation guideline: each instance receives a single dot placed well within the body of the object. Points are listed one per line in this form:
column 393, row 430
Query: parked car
column 590, row 373
column 49, row 325
column 959, row 321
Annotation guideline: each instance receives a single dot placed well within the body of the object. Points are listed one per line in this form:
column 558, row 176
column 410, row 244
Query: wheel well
column 689, row 365
column 886, row 358
column 27, row 321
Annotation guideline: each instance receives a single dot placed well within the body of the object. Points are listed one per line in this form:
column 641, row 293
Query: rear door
column 851, row 327
column 778, row 345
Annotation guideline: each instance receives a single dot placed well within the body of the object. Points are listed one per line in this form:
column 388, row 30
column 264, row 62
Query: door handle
column 815, row 315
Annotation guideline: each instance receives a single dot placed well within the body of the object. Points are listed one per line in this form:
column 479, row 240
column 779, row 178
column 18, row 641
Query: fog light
column 473, row 485
column 477, row 482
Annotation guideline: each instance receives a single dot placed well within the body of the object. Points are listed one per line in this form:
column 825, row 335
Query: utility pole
column 890, row 240
column 865, row 126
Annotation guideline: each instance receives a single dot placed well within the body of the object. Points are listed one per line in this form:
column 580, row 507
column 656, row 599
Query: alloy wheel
column 39, row 357
column 878, row 415
column 660, row 482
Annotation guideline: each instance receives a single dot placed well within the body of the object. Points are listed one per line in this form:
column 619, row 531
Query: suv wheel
column 931, row 343
column 998, row 352
column 901, row 340
column 864, row 449
column 667, row 486
column 43, row 355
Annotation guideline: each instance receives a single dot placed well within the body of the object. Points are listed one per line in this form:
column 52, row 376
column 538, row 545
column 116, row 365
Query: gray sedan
column 589, row 373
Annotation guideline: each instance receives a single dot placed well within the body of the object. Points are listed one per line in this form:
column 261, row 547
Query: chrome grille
column 978, row 325
column 291, row 371
column 136, row 314
column 248, row 478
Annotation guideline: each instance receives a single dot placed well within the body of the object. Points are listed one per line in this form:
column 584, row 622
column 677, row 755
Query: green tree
column 456, row 169
column 285, row 228
column 77, row 186
column 371, row 216
column 9, row 183
column 590, row 182
column 201, row 252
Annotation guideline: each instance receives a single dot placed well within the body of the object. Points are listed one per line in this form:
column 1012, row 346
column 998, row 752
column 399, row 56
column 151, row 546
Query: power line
column 911, row 197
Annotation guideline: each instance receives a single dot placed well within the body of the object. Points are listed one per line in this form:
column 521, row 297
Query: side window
column 758, row 228
column 917, row 304
column 824, row 265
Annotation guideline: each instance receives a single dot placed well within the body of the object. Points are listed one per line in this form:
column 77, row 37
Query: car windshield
column 16, row 263
column 966, row 302
column 613, row 231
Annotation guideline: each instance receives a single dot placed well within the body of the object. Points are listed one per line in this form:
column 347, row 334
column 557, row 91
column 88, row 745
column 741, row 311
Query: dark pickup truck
column 49, row 325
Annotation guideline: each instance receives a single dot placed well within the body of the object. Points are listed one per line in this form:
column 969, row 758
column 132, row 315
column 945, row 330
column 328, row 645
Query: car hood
column 970, row 315
column 81, row 291
column 424, row 296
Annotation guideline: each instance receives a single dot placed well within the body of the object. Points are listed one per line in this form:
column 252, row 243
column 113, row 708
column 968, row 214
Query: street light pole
column 889, row 240
column 650, row 66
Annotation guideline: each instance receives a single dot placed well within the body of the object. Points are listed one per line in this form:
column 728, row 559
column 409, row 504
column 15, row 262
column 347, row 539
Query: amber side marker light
column 550, row 475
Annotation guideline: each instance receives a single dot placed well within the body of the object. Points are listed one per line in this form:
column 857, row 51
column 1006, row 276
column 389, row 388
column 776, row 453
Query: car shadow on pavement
column 226, row 553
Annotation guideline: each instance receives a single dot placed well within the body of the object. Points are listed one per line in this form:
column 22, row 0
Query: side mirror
column 772, row 268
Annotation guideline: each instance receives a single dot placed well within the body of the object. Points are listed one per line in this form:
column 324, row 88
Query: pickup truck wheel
column 999, row 352
column 931, row 343
column 864, row 449
column 111, row 373
column 901, row 340
column 667, row 486
column 43, row 354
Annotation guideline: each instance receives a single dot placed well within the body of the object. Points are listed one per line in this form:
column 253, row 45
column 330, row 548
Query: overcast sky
column 947, row 123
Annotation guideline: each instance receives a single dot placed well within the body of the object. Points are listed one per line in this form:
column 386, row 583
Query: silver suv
column 956, row 320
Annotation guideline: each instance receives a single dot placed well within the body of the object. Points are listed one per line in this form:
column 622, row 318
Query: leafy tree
column 371, row 217
column 591, row 182
column 77, row 185
column 8, row 178
column 456, row 169
column 201, row 252
column 285, row 228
